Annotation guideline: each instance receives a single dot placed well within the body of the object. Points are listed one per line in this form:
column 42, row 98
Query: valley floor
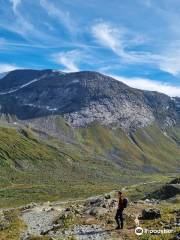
column 93, row 218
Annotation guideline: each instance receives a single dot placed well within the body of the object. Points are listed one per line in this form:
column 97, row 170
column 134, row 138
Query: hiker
column 119, row 214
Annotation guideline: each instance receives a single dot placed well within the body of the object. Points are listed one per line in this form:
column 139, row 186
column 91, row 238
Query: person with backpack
column 122, row 203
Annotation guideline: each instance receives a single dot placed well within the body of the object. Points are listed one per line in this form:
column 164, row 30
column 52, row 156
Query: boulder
column 167, row 191
column 151, row 213
column 107, row 196
column 95, row 202
column 28, row 206
column 97, row 211
column 175, row 181
column 109, row 221
column 177, row 237
column 112, row 203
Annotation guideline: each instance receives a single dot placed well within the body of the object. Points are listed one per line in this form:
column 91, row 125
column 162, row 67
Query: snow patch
column 75, row 81
column 23, row 86
column 51, row 109
column 41, row 107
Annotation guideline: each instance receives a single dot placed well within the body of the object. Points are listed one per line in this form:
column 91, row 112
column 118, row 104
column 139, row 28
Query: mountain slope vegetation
column 98, row 159
column 76, row 134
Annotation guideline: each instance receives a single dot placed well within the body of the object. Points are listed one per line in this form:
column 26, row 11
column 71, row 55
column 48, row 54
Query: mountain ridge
column 82, row 98
column 81, row 133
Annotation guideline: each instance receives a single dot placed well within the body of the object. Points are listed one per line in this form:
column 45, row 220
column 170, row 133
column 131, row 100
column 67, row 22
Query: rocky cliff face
column 83, row 98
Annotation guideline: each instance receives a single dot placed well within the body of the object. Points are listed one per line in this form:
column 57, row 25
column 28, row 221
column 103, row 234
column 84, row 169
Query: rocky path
column 39, row 220
column 93, row 218
column 48, row 219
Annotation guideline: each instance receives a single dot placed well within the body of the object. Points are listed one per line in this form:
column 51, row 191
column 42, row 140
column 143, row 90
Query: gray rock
column 98, row 211
column 28, row 206
column 177, row 237
column 82, row 98
column 95, row 201
column 167, row 191
column 40, row 222
column 150, row 213
column 84, row 232
column 107, row 196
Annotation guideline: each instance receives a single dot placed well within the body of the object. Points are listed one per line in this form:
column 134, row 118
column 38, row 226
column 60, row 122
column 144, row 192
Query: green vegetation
column 16, row 226
column 97, row 159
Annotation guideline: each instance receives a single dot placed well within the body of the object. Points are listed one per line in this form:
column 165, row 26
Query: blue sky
column 136, row 41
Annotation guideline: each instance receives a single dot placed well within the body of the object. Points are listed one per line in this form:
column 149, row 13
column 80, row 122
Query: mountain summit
column 82, row 98
column 64, row 134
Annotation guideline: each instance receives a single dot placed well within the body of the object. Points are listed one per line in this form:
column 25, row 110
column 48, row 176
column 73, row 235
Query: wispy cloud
column 121, row 41
column 63, row 17
column 69, row 60
column 19, row 23
column 168, row 61
column 111, row 37
column 7, row 67
column 118, row 40
column 15, row 4
column 150, row 85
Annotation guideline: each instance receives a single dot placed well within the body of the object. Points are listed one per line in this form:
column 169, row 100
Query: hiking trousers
column 119, row 218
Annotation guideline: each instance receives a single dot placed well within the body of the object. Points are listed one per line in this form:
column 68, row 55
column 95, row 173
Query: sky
column 135, row 41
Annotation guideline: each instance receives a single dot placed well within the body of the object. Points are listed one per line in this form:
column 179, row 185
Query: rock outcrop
column 83, row 98
column 150, row 213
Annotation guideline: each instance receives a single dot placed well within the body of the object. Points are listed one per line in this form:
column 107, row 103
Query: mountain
column 69, row 132
column 83, row 98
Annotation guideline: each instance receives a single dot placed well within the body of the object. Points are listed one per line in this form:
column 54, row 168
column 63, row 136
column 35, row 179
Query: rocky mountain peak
column 82, row 98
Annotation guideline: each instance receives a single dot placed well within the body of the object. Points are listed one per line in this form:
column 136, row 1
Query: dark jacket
column 121, row 204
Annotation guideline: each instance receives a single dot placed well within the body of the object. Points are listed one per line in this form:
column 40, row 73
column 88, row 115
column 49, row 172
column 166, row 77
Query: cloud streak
column 68, row 59
column 63, row 17
column 23, row 25
column 15, row 4
column 150, row 85
column 120, row 41
column 4, row 67
column 113, row 38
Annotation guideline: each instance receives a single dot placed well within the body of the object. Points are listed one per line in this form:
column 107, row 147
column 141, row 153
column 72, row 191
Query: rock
column 48, row 209
column 175, row 181
column 95, row 202
column 175, row 199
column 151, row 201
column 39, row 222
column 28, row 206
column 139, row 202
column 167, row 191
column 97, row 211
column 107, row 196
column 150, row 213
column 67, row 209
column 112, row 203
column 168, row 226
column 177, row 237
column 110, row 221
column 84, row 232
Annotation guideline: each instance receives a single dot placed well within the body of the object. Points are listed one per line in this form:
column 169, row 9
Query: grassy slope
column 99, row 160
column 147, row 150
